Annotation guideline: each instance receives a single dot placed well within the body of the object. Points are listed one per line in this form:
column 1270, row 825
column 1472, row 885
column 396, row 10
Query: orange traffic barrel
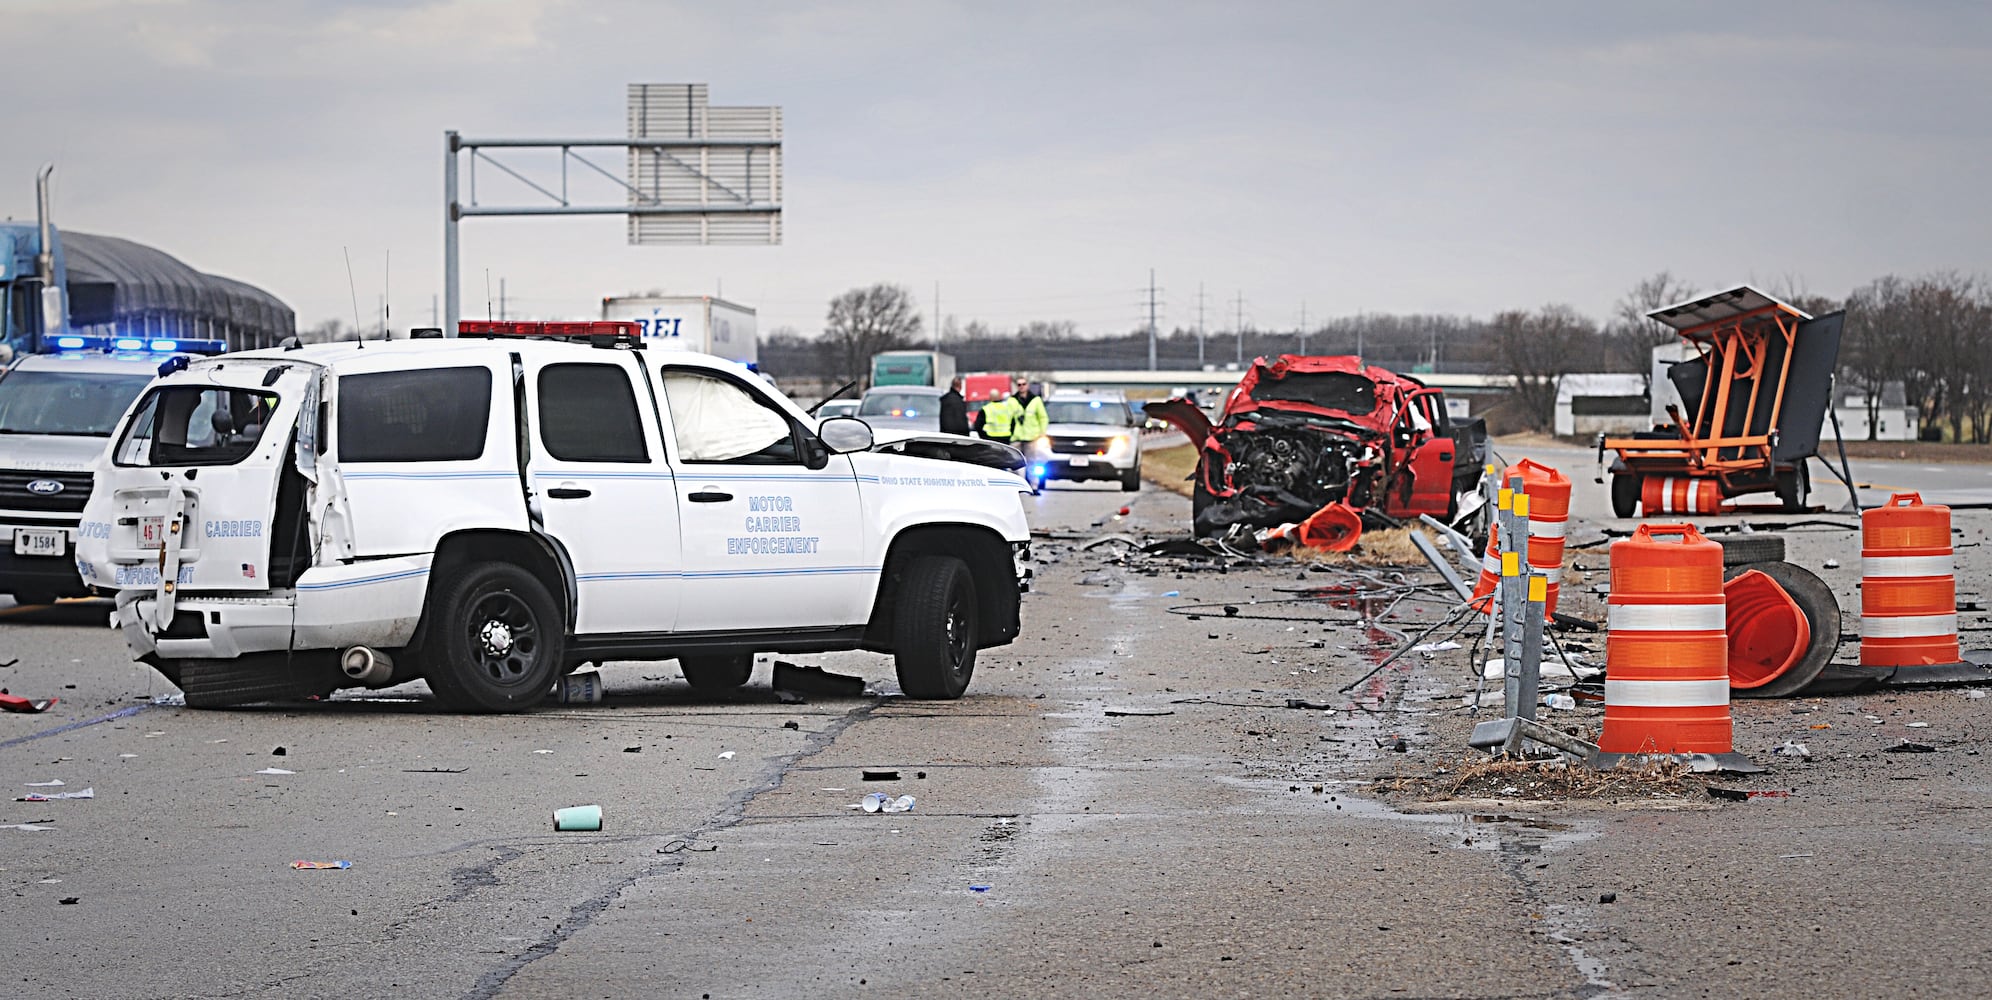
column 1548, row 509
column 1666, row 652
column 1908, row 590
column 1679, row 495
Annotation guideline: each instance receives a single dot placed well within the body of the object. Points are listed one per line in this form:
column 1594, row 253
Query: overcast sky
column 1037, row 160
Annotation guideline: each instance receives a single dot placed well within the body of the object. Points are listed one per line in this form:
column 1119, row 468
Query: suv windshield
column 81, row 403
column 898, row 404
column 185, row 425
column 1087, row 411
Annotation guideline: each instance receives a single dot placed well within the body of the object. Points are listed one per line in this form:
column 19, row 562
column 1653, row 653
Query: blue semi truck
column 87, row 321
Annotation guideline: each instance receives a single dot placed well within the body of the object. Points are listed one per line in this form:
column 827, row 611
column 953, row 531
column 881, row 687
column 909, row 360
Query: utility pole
column 501, row 300
column 1303, row 326
column 1200, row 326
column 1239, row 302
column 1151, row 319
column 937, row 315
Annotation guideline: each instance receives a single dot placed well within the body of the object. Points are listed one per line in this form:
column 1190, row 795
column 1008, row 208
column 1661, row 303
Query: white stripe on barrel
column 1666, row 694
column 1666, row 618
column 1907, row 626
column 1900, row 566
column 1547, row 529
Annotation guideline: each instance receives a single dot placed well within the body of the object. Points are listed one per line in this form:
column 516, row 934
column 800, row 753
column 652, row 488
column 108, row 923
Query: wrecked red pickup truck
column 1301, row 432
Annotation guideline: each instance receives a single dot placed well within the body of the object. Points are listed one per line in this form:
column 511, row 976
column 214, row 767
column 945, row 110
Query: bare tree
column 1872, row 351
column 865, row 321
column 1540, row 347
column 1630, row 337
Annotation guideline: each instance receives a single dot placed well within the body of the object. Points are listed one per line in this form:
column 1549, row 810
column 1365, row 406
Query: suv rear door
column 602, row 489
column 218, row 446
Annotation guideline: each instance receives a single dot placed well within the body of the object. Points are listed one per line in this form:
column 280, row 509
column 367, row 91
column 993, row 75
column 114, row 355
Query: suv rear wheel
column 496, row 641
column 934, row 628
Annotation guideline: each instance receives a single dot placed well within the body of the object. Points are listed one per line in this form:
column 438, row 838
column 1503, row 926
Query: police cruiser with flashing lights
column 1090, row 435
column 57, row 411
column 492, row 511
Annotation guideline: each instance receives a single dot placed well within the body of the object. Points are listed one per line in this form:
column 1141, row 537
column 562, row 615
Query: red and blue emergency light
column 139, row 345
column 600, row 333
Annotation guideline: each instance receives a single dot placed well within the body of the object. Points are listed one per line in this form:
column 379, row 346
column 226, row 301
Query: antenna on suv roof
column 353, row 290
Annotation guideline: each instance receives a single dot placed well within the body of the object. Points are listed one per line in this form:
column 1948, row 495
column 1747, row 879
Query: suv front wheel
column 934, row 628
column 495, row 642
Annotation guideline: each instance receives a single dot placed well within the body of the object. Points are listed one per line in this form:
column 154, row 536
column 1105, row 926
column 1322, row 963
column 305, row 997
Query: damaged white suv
column 487, row 514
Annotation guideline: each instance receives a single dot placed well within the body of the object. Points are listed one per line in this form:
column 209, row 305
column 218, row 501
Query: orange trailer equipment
column 1754, row 397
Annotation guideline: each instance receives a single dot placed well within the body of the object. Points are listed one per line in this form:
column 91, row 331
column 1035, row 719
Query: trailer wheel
column 934, row 629
column 1792, row 488
column 1625, row 494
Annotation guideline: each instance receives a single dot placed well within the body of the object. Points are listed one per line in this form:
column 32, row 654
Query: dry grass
column 1384, row 547
column 1170, row 468
column 1507, row 778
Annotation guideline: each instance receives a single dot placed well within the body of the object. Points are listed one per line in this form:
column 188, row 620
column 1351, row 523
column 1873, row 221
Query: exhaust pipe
column 370, row 667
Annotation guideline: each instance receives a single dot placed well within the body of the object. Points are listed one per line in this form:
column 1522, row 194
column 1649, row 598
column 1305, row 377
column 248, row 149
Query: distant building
column 1592, row 403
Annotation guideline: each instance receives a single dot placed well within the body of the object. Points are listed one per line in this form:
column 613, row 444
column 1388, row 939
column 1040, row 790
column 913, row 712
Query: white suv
column 489, row 513
column 1092, row 435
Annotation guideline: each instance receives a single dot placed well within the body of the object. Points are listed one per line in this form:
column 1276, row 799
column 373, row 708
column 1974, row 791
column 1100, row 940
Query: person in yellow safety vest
column 1000, row 417
column 1032, row 424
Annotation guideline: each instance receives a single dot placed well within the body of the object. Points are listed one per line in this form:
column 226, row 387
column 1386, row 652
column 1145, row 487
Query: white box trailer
column 690, row 323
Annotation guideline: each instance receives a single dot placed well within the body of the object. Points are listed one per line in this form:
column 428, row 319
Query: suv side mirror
column 845, row 434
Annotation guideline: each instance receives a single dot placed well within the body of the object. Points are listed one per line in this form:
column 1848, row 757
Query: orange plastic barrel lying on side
column 1908, row 586
column 1666, row 654
column 1679, row 495
column 1549, row 512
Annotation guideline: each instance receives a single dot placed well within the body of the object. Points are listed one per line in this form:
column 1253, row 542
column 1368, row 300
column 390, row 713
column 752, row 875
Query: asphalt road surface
column 1122, row 803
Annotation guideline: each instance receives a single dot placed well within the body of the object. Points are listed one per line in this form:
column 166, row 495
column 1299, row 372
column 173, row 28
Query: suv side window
column 422, row 415
column 587, row 413
column 717, row 420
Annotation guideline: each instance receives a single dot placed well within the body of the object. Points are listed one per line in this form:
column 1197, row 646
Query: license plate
column 39, row 542
column 1082, row 460
column 152, row 532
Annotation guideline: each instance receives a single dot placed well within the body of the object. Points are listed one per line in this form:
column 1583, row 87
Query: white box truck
column 689, row 323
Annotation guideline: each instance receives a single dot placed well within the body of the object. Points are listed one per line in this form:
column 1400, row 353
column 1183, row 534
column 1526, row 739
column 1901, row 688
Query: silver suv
column 1092, row 435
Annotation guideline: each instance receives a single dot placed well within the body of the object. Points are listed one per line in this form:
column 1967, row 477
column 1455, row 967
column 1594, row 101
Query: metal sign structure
column 696, row 176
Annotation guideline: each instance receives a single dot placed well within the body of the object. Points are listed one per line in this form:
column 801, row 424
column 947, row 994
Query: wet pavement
column 1124, row 802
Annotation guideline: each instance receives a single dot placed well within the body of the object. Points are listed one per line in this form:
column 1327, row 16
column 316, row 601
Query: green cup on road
column 577, row 818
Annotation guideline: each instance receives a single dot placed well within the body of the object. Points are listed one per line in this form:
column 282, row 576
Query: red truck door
column 1421, row 458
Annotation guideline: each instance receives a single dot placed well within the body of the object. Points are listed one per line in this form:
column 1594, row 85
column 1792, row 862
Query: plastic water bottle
column 1561, row 702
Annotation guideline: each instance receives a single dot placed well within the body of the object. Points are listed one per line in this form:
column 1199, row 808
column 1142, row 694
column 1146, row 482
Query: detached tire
column 257, row 677
column 1625, row 494
column 496, row 641
column 716, row 673
column 1738, row 550
column 934, row 628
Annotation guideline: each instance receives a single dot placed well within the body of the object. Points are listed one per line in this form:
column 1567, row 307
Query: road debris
column 581, row 688
column 879, row 775
column 578, row 819
column 1116, row 713
column 321, row 865
column 16, row 703
column 1792, row 749
column 275, row 770
column 1908, row 747
column 816, row 680
column 881, row 802
column 87, row 793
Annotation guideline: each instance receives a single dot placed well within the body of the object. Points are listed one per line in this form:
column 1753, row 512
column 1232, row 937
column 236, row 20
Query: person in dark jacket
column 954, row 409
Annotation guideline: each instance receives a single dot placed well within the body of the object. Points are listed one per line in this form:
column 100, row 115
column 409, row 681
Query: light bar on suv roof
column 619, row 334
column 71, row 343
